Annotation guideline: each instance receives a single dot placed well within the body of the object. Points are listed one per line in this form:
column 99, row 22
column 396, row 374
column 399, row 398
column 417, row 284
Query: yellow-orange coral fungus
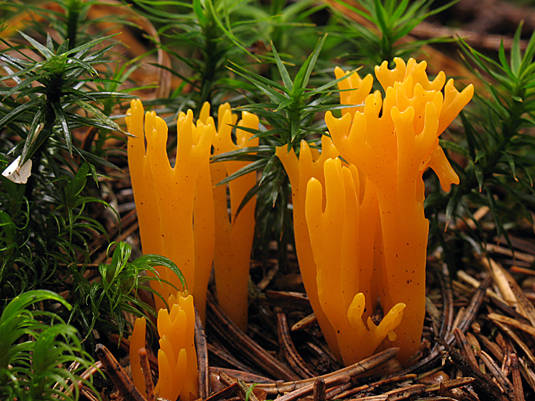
column 342, row 239
column 353, row 89
column 137, row 342
column 165, row 194
column 300, row 170
column 234, row 232
column 392, row 141
column 175, row 189
column 142, row 183
column 204, row 224
column 177, row 358
column 181, row 215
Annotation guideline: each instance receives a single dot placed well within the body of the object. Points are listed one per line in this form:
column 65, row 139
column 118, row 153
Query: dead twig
column 467, row 316
column 318, row 391
column 202, row 358
column 247, row 391
column 482, row 383
column 355, row 370
column 511, row 291
column 516, row 339
column 244, row 344
column 502, row 381
column 377, row 384
column 86, row 374
column 147, row 375
column 494, row 248
column 219, row 352
column 466, row 348
column 518, row 391
column 118, row 375
column 304, row 322
column 308, row 388
column 288, row 348
column 238, row 374
column 226, row 393
column 296, row 299
column 512, row 322
column 492, row 347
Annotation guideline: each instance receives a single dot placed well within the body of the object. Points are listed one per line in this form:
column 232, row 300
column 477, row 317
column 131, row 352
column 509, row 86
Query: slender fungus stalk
column 137, row 342
column 300, row 170
column 142, row 184
column 234, row 232
column 203, row 224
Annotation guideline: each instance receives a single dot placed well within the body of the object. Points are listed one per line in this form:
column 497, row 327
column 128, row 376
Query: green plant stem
column 210, row 64
column 73, row 14
column 38, row 155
